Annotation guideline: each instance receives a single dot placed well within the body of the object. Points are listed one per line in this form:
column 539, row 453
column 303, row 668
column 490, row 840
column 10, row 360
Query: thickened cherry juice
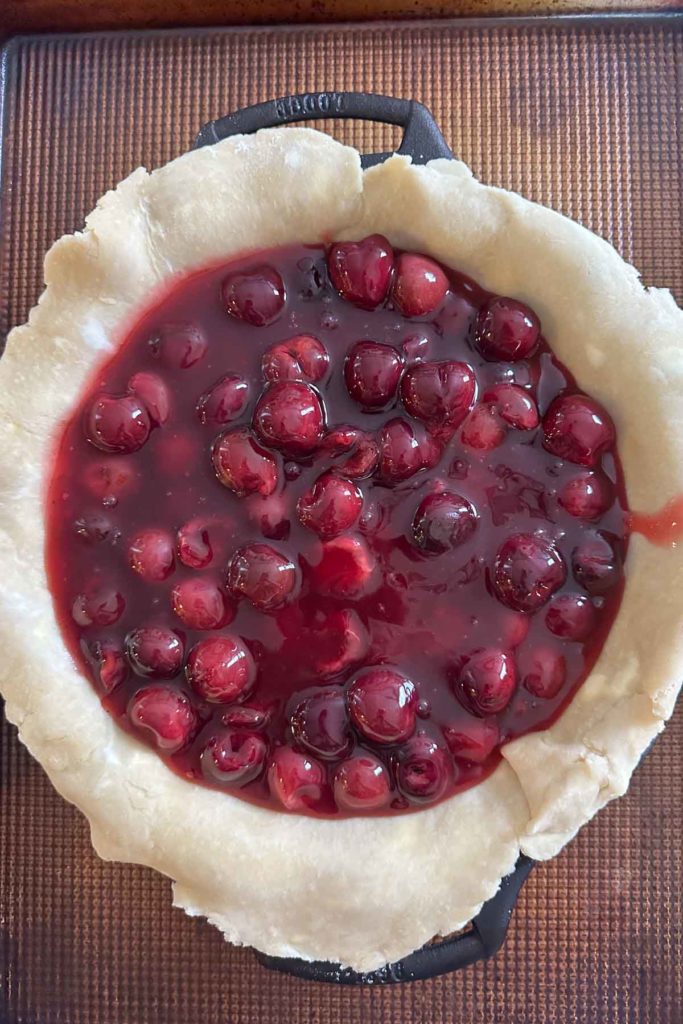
column 334, row 525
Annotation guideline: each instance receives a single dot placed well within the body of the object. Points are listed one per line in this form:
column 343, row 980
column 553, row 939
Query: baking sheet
column 581, row 114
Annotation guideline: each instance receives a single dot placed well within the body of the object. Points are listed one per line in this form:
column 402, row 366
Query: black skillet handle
column 480, row 941
column 422, row 139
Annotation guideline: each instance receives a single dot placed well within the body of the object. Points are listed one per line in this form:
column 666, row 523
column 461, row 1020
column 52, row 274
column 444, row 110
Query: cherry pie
column 323, row 593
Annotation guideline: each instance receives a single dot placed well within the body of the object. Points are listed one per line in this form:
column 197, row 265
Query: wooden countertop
column 80, row 15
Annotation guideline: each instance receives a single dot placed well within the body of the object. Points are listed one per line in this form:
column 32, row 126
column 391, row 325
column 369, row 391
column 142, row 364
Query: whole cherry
column 234, row 757
column 221, row 669
column 331, row 506
column 264, row 576
column 382, row 704
column 302, row 358
column 117, row 423
column 485, row 680
column 506, row 330
column 423, row 768
column 362, row 783
column 289, row 417
column 442, row 521
column 243, row 465
column 179, row 346
column 256, row 296
column 361, row 271
column 439, row 394
column 528, row 570
column 155, row 651
column 320, row 723
column 164, row 713
column 420, row 285
column 578, row 429
column 296, row 780
column 372, row 372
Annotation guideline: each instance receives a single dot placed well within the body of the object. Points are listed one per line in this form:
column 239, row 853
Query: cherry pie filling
column 332, row 526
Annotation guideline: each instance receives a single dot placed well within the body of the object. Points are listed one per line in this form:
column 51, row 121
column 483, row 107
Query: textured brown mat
column 77, row 15
column 584, row 117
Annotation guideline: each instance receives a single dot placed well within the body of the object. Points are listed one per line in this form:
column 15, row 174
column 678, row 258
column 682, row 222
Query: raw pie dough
column 362, row 891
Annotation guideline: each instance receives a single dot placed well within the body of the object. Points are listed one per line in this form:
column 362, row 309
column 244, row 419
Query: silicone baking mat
column 581, row 114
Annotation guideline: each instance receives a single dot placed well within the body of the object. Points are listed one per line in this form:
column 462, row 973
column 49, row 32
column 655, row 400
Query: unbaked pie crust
column 368, row 890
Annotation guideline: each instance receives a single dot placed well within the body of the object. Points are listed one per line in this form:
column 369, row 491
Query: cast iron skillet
column 422, row 141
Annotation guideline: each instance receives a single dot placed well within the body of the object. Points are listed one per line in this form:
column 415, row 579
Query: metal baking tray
column 582, row 114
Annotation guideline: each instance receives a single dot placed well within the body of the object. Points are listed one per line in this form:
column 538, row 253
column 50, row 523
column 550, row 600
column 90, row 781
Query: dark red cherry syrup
column 332, row 526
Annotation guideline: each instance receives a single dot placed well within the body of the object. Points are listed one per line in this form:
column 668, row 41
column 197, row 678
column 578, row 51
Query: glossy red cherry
column 243, row 465
column 571, row 617
column 514, row 405
column 179, row 346
column 372, row 372
column 155, row 651
column 506, row 330
column 483, row 429
column 165, row 713
column 302, row 358
column 224, row 402
column 578, row 429
column 596, row 564
column 361, row 271
column 296, row 780
column 587, row 495
column 194, row 545
column 117, row 423
column 382, row 704
column 99, row 605
column 484, row 682
column 221, row 669
column 362, row 783
column 472, row 739
column 331, row 506
column 257, row 296
column 339, row 643
column 442, row 521
column 439, row 394
column 289, row 417
column 151, row 555
column 155, row 396
column 346, row 569
column 528, row 570
column 420, row 285
column 545, row 672
column 262, row 575
column 234, row 757
column 200, row 603
column 320, row 723
column 423, row 769
column 404, row 449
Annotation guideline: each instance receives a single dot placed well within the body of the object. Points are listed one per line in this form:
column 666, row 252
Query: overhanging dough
column 362, row 891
